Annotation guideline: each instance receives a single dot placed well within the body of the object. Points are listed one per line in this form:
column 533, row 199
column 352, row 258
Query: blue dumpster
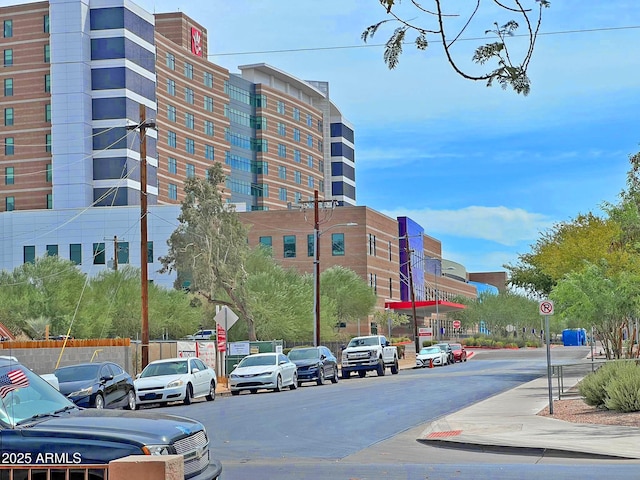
column 574, row 337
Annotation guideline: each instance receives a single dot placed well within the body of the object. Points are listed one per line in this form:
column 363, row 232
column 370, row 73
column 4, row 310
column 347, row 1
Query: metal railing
column 568, row 375
column 54, row 472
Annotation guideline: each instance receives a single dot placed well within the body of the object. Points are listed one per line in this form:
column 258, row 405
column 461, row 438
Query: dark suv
column 39, row 425
column 445, row 347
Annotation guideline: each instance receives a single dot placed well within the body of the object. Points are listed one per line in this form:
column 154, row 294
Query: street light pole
column 316, row 271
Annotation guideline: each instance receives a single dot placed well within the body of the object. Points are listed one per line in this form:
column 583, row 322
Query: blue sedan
column 315, row 364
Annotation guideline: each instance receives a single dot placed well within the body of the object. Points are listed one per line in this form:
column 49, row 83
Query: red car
column 459, row 352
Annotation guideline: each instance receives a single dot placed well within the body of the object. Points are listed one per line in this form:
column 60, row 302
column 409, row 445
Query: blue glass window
column 341, row 130
column 289, row 250
column 172, row 191
column 99, row 254
column 29, row 253
column 104, row 108
column 342, row 150
column 172, row 165
column 119, row 17
column 337, row 244
column 109, row 168
column 75, row 253
column 109, row 138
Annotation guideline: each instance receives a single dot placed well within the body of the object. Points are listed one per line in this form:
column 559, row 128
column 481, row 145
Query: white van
column 203, row 335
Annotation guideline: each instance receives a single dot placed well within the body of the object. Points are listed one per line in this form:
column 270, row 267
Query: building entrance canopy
column 424, row 308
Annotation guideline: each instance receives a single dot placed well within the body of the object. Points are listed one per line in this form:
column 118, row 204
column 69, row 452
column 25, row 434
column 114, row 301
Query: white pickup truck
column 364, row 354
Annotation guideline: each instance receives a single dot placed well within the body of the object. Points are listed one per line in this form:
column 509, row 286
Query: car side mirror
column 106, row 378
column 323, row 356
column 386, row 344
column 195, row 370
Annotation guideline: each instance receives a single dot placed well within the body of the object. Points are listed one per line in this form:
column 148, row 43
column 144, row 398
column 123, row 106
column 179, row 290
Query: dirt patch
column 577, row 411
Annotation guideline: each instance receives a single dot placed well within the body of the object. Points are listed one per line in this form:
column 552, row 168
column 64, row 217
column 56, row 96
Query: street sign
column 456, row 324
column 222, row 339
column 226, row 317
column 546, row 307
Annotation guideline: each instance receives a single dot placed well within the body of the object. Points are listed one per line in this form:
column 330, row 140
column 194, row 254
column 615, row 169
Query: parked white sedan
column 263, row 370
column 434, row 354
column 174, row 380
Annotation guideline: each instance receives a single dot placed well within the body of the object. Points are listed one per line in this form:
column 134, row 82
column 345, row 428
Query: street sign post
column 225, row 318
column 545, row 308
column 456, row 324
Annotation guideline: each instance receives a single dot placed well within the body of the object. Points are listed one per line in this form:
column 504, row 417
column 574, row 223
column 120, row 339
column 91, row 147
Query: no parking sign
column 546, row 307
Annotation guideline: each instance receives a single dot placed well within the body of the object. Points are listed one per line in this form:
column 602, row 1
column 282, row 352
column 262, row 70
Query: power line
column 377, row 45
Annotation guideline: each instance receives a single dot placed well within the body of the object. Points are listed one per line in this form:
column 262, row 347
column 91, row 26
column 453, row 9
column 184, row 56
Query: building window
column 320, row 147
column 282, row 150
column 208, row 152
column 47, row 113
column 188, row 95
column 52, row 250
column 266, row 241
column 309, row 140
column 372, row 245
column 171, row 139
column 309, row 120
column 171, row 61
column 48, row 175
column 390, row 288
column 47, row 143
column 321, row 185
column 75, row 253
column 8, row 28
column 49, row 200
column 321, row 165
column 122, row 250
column 282, row 129
column 8, row 146
column 8, row 57
column 310, row 243
column 171, row 87
column 9, row 176
column 47, row 53
column 310, row 182
column 45, row 23
column 296, row 134
column 172, row 165
column 99, row 256
column 208, row 128
column 173, row 191
column 337, row 244
column 281, row 108
column 297, row 177
column 259, row 123
column 190, row 146
column 310, row 161
column 282, row 194
column 47, row 83
column 289, row 250
column 208, row 103
column 190, row 170
column 8, row 87
column 29, row 253
column 296, row 113
column 8, row 117
column 171, row 113
column 296, row 156
column 208, row 79
column 282, row 172
column 320, row 126
column 297, row 197
column 189, row 120
column 149, row 252
column 188, row 70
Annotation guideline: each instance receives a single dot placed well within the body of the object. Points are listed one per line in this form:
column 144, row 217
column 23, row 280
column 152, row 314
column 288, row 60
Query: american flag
column 12, row 381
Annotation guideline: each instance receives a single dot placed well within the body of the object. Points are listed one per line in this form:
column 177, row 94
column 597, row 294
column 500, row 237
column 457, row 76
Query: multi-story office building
column 75, row 74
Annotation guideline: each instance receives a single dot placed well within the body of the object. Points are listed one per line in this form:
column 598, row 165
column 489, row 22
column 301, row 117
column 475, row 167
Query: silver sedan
column 271, row 371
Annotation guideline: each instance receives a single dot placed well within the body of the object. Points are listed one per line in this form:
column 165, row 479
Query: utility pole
column 144, row 274
column 115, row 252
column 413, row 295
column 316, row 270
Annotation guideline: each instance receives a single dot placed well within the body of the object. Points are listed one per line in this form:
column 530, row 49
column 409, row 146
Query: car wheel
column 131, row 401
column 362, row 373
column 380, row 370
column 212, row 392
column 345, row 374
column 99, row 403
column 395, row 368
column 235, row 393
column 188, row 394
column 278, row 384
column 334, row 379
column 320, row 380
column 294, row 384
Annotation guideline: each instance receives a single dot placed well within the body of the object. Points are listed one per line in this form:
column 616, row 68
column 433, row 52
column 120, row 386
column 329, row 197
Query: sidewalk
column 510, row 421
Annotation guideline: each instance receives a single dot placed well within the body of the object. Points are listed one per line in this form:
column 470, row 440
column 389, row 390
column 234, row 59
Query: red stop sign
column 456, row 324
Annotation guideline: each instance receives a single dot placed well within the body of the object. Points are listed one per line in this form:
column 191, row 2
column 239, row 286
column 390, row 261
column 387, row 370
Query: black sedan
column 97, row 385
column 315, row 364
column 445, row 347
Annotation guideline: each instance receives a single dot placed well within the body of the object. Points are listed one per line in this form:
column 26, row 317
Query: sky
column 482, row 169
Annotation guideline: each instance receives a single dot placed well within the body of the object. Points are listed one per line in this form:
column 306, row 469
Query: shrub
column 593, row 386
column 623, row 389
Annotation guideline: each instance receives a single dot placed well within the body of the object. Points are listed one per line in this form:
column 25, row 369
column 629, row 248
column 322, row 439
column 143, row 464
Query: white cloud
column 506, row 226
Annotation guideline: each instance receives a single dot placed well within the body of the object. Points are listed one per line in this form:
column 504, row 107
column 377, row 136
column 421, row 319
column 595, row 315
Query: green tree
column 437, row 23
column 210, row 245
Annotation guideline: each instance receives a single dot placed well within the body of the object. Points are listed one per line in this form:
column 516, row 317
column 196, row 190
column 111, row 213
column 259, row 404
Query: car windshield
column 304, row 354
column 456, row 347
column 430, row 350
column 25, row 396
column 77, row 373
column 363, row 342
column 178, row 367
column 258, row 360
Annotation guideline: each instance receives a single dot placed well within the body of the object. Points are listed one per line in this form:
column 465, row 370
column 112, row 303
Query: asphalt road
column 367, row 428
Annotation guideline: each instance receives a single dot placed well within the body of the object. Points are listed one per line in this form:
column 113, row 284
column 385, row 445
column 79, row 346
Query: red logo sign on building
column 196, row 41
column 222, row 339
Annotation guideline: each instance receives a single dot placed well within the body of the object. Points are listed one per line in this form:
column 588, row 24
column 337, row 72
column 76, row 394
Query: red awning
column 424, row 308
